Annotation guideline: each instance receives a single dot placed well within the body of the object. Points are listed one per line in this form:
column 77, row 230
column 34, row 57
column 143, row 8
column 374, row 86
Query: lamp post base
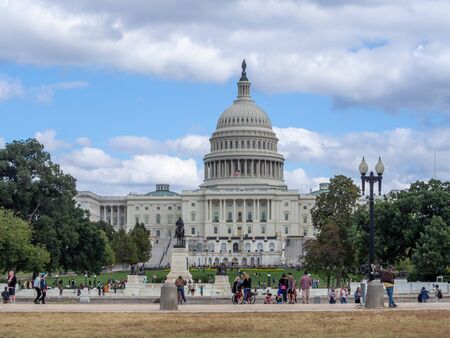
column 375, row 295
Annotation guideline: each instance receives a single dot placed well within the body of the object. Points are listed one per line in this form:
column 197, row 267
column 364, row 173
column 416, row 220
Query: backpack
column 439, row 294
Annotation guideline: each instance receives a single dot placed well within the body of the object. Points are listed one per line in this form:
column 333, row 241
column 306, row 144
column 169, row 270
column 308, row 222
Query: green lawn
column 258, row 276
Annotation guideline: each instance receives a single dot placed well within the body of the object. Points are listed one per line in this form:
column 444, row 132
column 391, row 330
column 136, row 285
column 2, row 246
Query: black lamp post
column 371, row 179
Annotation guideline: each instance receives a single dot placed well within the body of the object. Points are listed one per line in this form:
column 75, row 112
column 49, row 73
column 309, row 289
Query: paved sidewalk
column 211, row 308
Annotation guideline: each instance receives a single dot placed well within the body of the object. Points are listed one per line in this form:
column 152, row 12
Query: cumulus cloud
column 137, row 174
column 83, row 141
column 10, row 88
column 48, row 139
column 389, row 54
column 408, row 154
column 189, row 145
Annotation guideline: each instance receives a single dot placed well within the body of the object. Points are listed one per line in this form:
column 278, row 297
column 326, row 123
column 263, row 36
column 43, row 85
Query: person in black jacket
column 283, row 285
column 247, row 286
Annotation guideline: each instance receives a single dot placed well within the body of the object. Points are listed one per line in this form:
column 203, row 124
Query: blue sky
column 123, row 98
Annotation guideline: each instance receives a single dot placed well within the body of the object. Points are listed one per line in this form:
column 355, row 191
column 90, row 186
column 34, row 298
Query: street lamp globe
column 363, row 167
column 379, row 167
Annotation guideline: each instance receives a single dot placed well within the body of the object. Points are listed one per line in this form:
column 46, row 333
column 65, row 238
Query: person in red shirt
column 305, row 284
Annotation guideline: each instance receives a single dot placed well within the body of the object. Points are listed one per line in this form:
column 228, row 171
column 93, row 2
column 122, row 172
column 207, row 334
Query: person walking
column 247, row 286
column 358, row 295
column 343, row 295
column 180, row 283
column 305, row 284
column 12, row 281
column 292, row 293
column 43, row 287
column 283, row 285
column 387, row 277
column 37, row 287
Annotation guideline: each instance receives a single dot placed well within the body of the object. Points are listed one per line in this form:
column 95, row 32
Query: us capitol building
column 243, row 212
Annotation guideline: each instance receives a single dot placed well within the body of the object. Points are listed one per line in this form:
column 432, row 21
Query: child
column 6, row 296
column 279, row 298
column 268, row 299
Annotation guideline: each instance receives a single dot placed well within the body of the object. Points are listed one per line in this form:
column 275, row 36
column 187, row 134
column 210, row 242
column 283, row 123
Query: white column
column 104, row 213
column 234, row 211
column 245, row 211
column 257, row 209
column 245, row 167
column 210, row 210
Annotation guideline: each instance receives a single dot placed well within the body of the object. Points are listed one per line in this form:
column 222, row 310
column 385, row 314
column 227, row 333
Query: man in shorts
column 305, row 284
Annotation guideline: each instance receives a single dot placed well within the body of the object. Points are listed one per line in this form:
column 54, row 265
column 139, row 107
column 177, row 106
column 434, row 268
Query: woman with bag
column 283, row 286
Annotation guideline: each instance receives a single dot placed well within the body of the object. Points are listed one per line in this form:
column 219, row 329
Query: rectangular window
column 158, row 233
column 193, row 216
column 305, row 219
column 170, row 208
column 286, row 230
column 249, row 230
column 137, row 219
column 192, row 231
column 216, row 230
column 305, row 232
column 146, row 207
column 137, row 208
column 263, row 230
column 192, row 204
column 305, row 207
column 286, row 216
column 146, row 219
column 216, row 216
column 286, row 204
column 169, row 219
column 179, row 207
column 229, row 230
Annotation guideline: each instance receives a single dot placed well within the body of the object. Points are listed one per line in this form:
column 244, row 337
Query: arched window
column 244, row 261
column 199, row 247
column 235, row 247
column 211, row 247
column 209, row 260
column 259, row 247
column 158, row 219
column 272, row 246
column 248, row 247
column 223, row 247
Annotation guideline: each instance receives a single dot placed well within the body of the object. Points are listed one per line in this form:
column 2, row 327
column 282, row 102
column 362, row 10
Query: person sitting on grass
column 6, row 296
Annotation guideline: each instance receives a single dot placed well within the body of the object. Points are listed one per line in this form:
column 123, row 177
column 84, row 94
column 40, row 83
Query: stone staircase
column 160, row 253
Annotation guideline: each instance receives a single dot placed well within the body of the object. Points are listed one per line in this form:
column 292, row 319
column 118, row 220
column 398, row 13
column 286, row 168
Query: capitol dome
column 244, row 148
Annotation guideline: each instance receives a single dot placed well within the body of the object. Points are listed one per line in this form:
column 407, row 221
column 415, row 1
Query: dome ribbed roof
column 244, row 113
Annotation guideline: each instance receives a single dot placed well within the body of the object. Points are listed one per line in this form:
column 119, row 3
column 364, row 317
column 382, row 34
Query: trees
column 332, row 215
column 141, row 237
column 401, row 221
column 41, row 194
column 431, row 257
column 16, row 250
column 124, row 248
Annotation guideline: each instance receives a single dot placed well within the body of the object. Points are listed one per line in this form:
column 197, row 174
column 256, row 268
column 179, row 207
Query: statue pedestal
column 169, row 297
column 135, row 285
column 375, row 295
column 178, row 265
column 221, row 286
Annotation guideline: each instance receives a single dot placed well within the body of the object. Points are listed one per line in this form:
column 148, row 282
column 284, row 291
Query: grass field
column 257, row 275
column 310, row 324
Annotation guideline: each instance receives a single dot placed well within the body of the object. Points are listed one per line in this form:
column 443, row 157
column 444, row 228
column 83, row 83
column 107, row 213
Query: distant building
column 242, row 213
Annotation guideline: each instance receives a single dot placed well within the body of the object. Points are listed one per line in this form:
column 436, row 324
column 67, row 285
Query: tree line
column 412, row 231
column 42, row 228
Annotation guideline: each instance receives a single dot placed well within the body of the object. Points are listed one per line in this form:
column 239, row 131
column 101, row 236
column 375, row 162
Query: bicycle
column 238, row 297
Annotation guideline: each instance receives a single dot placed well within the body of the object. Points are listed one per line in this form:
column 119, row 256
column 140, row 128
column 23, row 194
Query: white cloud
column 48, row 139
column 138, row 174
column 10, row 88
column 2, row 142
column 388, row 54
column 83, row 141
column 408, row 154
column 189, row 145
column 89, row 158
